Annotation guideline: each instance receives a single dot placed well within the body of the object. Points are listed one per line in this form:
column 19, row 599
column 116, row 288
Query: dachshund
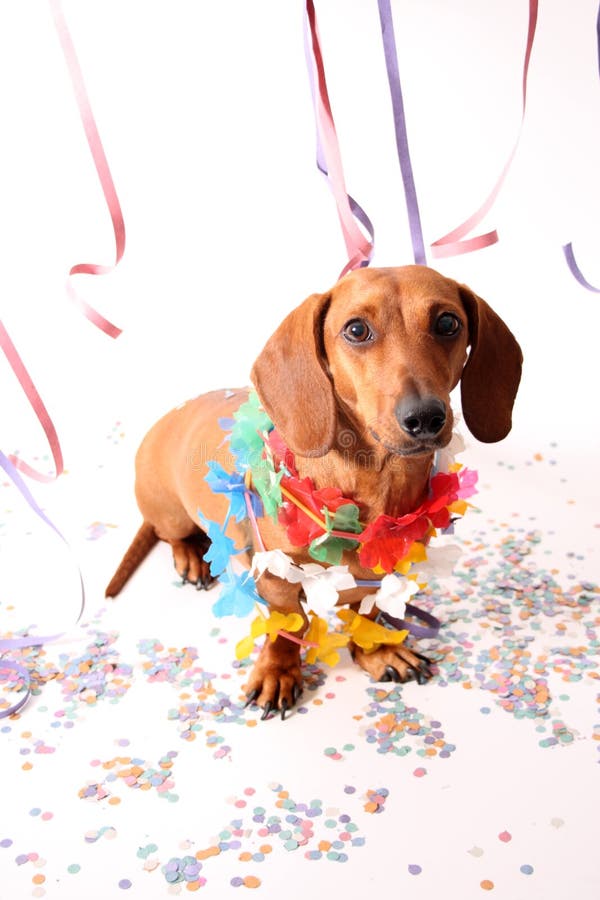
column 362, row 372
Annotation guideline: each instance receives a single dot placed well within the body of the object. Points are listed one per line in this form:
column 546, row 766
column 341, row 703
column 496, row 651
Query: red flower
column 301, row 529
column 387, row 540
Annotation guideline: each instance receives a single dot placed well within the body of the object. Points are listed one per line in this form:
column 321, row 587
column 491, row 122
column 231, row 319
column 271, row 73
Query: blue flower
column 238, row 594
column 233, row 485
column 221, row 547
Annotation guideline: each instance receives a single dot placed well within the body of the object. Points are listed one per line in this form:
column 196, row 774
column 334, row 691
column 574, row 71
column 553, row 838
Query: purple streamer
column 393, row 74
column 22, row 671
column 430, row 630
column 568, row 248
column 576, row 271
column 9, row 644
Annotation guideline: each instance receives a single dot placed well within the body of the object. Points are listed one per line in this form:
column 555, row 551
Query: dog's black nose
column 421, row 418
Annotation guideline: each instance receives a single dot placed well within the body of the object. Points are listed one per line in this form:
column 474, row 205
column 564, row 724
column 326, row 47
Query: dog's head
column 382, row 350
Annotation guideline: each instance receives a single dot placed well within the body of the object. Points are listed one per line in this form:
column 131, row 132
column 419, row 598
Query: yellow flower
column 272, row 626
column 417, row 553
column 367, row 634
column 328, row 642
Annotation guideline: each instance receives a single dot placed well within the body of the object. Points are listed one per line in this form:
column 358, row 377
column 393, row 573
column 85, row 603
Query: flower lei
column 266, row 482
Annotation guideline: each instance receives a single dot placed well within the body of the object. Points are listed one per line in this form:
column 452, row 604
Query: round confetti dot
column 47, row 816
column 414, row 869
column 251, row 881
column 487, row 885
column 420, row 772
column 527, row 870
column 6, row 842
column 73, row 869
column 505, row 837
column 38, row 879
column 237, row 881
column 125, row 884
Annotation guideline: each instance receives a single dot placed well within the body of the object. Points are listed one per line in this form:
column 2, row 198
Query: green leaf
column 345, row 518
column 330, row 549
column 266, row 482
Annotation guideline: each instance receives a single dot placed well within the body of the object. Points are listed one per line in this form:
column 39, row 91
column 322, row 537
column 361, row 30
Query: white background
column 205, row 114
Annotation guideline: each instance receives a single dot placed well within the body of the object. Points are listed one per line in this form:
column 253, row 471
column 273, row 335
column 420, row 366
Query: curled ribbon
column 10, row 644
column 102, row 168
column 40, row 410
column 454, row 242
column 329, row 160
column 393, row 75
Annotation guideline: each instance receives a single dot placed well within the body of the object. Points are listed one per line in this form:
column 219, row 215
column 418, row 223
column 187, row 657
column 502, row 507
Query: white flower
column 277, row 563
column 445, row 457
column 391, row 597
column 440, row 562
column 321, row 586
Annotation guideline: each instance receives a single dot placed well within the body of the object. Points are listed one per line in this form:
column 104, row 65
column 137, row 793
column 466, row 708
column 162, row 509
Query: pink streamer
column 358, row 247
column 40, row 410
column 454, row 243
column 102, row 168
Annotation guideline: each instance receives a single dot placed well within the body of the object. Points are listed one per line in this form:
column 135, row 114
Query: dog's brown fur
column 335, row 404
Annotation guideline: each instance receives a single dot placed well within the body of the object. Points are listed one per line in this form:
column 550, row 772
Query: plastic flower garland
column 266, row 482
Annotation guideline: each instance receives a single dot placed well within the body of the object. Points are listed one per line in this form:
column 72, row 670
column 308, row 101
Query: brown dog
column 357, row 382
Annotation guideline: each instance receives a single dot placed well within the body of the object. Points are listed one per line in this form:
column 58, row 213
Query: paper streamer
column 40, row 410
column 9, row 644
column 454, row 243
column 329, row 160
column 576, row 271
column 568, row 248
column 393, row 75
column 102, row 168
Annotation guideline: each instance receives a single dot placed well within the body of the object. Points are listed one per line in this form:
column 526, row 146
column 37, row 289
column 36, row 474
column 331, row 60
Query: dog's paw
column 393, row 663
column 275, row 682
column 188, row 558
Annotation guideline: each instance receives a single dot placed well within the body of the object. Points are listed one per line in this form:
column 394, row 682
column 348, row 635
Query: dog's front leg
column 276, row 679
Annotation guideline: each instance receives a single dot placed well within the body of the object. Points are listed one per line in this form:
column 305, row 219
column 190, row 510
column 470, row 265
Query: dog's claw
column 284, row 708
column 204, row 584
column 296, row 691
column 424, row 673
column 184, row 576
column 267, row 710
column 391, row 674
column 251, row 697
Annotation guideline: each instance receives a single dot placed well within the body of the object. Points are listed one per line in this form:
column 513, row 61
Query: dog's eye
column 357, row 331
column 447, row 325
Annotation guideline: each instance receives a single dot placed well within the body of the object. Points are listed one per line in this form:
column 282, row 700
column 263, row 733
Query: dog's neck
column 378, row 481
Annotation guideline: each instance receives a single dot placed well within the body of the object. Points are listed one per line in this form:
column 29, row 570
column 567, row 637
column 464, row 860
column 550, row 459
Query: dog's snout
column 421, row 418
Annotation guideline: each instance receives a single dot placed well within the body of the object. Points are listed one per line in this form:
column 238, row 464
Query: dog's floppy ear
column 291, row 381
column 491, row 376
